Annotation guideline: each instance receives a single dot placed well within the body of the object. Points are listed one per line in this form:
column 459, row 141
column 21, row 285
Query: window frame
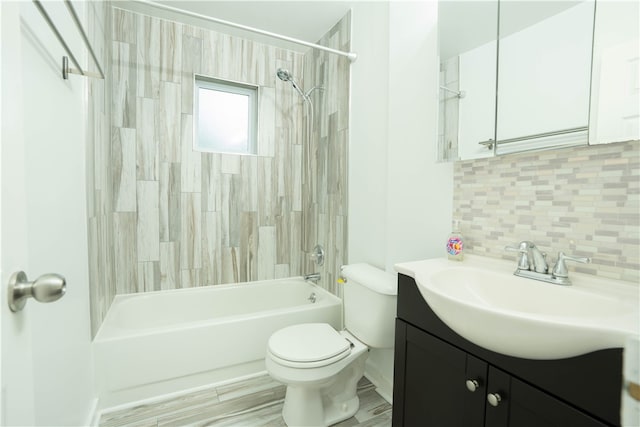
column 233, row 87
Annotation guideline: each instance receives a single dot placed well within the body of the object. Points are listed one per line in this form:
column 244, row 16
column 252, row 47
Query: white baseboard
column 172, row 394
column 383, row 387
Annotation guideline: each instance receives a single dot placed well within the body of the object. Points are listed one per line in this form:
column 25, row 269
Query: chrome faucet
column 313, row 277
column 532, row 264
column 530, row 257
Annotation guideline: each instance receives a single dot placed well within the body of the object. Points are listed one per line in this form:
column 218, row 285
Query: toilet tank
column 370, row 296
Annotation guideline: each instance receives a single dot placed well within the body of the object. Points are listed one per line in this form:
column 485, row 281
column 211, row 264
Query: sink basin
column 481, row 300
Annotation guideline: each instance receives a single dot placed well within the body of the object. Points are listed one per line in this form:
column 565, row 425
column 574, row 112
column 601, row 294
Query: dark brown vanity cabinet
column 441, row 379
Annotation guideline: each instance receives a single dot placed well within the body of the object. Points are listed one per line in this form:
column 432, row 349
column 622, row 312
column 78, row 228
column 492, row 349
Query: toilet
column 321, row 366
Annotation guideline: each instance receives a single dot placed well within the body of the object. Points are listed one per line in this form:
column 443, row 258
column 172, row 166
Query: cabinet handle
column 472, row 385
column 494, row 399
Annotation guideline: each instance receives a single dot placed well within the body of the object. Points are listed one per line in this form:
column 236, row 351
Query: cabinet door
column 615, row 101
column 531, row 407
column 522, row 405
column 434, row 390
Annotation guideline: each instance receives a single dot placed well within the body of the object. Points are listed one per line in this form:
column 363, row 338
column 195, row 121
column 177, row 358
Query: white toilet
column 322, row 366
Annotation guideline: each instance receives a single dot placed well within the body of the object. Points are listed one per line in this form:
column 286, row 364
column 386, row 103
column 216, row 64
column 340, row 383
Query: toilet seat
column 309, row 345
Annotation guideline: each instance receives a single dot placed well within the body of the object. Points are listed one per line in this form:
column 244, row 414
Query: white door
column 46, row 362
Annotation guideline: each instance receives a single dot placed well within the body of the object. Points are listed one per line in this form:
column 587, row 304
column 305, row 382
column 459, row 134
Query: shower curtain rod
column 350, row 55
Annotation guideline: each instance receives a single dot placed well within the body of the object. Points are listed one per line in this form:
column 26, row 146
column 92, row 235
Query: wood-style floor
column 253, row 402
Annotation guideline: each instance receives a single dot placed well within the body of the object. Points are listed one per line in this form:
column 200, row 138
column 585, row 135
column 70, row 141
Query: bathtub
column 157, row 343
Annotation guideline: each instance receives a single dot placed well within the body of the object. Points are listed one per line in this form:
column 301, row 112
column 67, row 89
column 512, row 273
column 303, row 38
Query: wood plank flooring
column 254, row 402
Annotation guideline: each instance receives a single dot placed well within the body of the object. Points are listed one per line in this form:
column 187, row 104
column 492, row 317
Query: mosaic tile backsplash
column 583, row 201
column 163, row 216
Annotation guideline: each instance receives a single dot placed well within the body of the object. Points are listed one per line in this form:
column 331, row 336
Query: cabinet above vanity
column 536, row 75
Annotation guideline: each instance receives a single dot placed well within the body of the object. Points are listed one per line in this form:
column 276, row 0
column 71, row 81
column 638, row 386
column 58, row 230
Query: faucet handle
column 522, row 249
column 560, row 269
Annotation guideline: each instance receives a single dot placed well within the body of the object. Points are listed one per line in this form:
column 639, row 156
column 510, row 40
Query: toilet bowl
column 321, row 366
column 321, row 379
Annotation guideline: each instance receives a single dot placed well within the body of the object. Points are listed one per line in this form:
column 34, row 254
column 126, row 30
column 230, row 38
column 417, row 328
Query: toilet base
column 324, row 405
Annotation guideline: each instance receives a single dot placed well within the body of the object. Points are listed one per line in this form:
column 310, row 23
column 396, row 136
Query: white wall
column 400, row 199
column 420, row 191
column 56, row 344
column 368, row 127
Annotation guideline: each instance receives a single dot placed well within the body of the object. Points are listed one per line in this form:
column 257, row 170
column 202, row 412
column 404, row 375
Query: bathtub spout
column 313, row 277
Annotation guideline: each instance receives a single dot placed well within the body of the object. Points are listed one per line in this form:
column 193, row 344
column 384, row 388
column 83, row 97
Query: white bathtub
column 156, row 343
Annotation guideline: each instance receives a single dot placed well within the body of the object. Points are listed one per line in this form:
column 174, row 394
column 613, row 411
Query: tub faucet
column 313, row 277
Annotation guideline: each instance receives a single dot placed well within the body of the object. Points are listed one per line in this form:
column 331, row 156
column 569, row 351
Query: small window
column 226, row 116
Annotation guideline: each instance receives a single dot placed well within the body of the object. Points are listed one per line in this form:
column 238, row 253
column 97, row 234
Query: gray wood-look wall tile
column 230, row 272
column 169, row 265
column 170, row 52
column 148, row 56
column 190, row 278
column 167, row 216
column 101, row 172
column 168, row 122
column 190, row 236
column 123, row 161
column 267, row 114
column 211, row 182
column 124, row 26
column 248, row 247
column 250, row 186
column 282, row 271
column 148, row 276
column 148, row 221
column 324, row 174
column 266, row 253
column 266, row 194
column 125, row 259
column 211, row 248
column 191, row 64
column 146, row 141
column 124, row 85
column 191, row 179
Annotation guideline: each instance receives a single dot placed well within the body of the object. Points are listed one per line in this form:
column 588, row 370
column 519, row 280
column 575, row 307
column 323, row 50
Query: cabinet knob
column 494, row 399
column 472, row 385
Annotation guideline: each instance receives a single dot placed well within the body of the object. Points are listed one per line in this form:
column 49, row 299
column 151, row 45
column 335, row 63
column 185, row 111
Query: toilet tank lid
column 373, row 278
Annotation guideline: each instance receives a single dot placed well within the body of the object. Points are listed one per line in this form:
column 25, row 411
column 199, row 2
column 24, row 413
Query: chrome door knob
column 494, row 399
column 472, row 385
column 46, row 288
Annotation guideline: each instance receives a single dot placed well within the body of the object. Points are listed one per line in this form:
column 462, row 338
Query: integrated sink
column 481, row 300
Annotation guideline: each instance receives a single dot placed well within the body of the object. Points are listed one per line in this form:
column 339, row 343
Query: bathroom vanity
column 442, row 379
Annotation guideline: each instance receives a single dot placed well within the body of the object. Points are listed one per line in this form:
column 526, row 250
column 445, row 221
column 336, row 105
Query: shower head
column 284, row 75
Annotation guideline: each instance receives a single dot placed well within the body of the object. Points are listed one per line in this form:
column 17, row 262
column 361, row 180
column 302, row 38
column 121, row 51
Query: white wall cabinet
column 615, row 90
column 544, row 79
column 542, row 82
column 478, row 107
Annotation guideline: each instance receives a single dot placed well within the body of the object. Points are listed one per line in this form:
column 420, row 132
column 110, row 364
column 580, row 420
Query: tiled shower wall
column 99, row 188
column 325, row 179
column 163, row 216
column 583, row 201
